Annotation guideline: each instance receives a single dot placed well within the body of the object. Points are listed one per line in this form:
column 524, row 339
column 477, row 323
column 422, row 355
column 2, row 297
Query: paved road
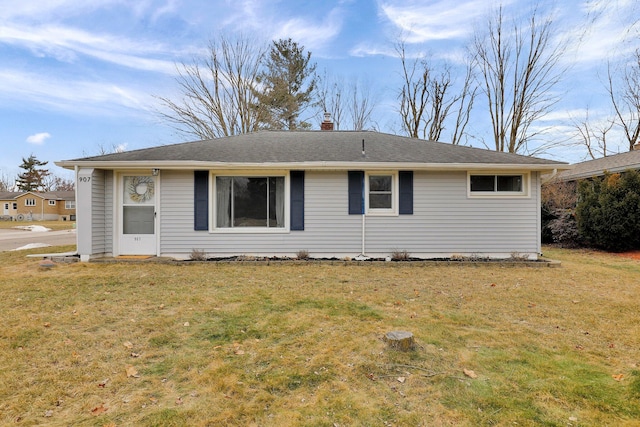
column 14, row 239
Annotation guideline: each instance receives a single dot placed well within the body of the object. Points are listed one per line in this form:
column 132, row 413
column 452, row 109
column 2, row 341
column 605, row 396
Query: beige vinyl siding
column 445, row 221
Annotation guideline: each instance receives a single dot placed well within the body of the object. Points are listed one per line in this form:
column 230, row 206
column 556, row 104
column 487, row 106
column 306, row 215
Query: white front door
column 138, row 215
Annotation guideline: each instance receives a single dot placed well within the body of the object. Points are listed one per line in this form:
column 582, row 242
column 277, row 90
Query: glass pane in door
column 138, row 219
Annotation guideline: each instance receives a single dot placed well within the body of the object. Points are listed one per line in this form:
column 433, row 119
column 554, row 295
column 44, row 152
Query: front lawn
column 301, row 344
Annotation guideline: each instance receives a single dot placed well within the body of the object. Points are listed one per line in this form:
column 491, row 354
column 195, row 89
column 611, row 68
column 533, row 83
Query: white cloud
column 437, row 20
column 604, row 31
column 83, row 97
column 37, row 10
column 38, row 138
column 65, row 44
column 310, row 34
column 371, row 49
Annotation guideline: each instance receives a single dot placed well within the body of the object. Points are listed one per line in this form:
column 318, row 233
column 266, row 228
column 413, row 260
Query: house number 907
column 84, row 179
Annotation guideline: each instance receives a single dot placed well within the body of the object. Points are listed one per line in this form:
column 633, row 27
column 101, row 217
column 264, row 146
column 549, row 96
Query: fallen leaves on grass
column 128, row 345
column 132, row 372
column 99, row 410
column 237, row 350
column 470, row 373
column 618, row 377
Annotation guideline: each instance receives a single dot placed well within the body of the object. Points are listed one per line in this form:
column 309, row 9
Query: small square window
column 483, row 182
column 70, row 204
column 509, row 183
column 52, row 202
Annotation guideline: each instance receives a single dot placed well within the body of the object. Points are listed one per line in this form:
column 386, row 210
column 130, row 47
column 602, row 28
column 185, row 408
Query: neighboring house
column 36, row 206
column 331, row 193
column 592, row 168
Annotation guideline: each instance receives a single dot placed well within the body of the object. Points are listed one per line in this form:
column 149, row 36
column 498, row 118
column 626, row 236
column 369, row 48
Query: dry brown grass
column 300, row 344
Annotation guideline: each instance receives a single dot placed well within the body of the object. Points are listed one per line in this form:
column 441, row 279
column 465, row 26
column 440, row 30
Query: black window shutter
column 297, row 200
column 201, row 200
column 406, row 192
column 356, row 189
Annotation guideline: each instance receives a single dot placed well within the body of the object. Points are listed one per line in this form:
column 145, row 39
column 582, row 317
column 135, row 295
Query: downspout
column 550, row 178
column 363, row 234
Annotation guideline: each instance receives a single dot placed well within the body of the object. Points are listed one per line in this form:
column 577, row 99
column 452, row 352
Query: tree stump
column 400, row 340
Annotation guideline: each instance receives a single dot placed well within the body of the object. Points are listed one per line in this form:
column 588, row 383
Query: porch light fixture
column 155, row 171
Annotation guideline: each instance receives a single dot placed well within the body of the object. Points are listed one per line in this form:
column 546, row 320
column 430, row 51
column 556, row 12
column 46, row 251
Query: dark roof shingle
column 319, row 146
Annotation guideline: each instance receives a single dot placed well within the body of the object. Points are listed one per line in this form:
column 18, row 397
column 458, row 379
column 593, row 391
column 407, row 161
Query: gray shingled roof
column 317, row 146
column 9, row 195
column 597, row 167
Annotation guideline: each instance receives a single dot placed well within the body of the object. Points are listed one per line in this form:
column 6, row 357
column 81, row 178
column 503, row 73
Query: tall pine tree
column 33, row 177
column 286, row 86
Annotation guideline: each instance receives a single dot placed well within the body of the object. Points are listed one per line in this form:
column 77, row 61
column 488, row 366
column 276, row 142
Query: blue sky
column 77, row 75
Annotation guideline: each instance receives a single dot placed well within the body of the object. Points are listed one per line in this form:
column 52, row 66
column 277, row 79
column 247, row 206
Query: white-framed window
column 381, row 189
column 29, row 202
column 69, row 204
column 52, row 202
column 15, row 206
column 6, row 206
column 250, row 203
column 498, row 184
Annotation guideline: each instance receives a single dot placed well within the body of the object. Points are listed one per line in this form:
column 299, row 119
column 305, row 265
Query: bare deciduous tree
column 218, row 92
column 427, row 99
column 518, row 69
column 6, row 183
column 626, row 98
column 592, row 136
column 57, row 183
column 351, row 105
column 361, row 105
column 330, row 94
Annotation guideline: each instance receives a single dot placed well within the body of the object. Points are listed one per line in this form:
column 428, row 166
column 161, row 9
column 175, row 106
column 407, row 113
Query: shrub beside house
column 597, row 203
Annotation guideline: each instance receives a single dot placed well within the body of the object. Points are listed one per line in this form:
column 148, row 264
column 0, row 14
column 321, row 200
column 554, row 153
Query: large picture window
column 247, row 201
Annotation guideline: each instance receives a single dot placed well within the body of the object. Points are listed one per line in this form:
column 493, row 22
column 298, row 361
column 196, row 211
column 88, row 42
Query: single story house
column 329, row 193
column 38, row 206
column 629, row 160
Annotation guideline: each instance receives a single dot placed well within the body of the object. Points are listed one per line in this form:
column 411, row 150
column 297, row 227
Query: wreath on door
column 140, row 188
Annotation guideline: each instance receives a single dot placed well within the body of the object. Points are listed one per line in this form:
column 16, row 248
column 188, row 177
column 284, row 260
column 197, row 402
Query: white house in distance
column 330, row 193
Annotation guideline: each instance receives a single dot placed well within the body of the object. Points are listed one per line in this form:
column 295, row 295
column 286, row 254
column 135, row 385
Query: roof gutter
column 321, row 165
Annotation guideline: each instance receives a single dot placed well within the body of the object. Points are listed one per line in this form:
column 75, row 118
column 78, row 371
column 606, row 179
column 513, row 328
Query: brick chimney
column 327, row 124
